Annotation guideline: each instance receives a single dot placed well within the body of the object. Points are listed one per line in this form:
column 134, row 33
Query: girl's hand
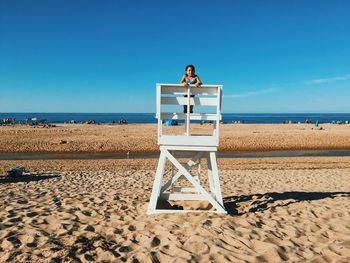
column 198, row 85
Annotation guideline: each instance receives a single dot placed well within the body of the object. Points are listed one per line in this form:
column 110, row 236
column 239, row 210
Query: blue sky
column 106, row 56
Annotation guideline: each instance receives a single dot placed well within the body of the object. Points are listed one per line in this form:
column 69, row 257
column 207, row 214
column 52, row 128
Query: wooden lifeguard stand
column 201, row 146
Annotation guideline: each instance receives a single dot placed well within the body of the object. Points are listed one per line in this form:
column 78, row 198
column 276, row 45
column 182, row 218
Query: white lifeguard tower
column 199, row 146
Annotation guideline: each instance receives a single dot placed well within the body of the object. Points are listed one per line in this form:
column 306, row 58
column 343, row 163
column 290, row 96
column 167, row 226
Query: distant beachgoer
column 190, row 78
column 123, row 121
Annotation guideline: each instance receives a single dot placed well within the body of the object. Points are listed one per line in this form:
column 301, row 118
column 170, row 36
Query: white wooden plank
column 183, row 197
column 192, row 101
column 182, row 140
column 188, row 148
column 202, row 101
column 210, row 176
column 157, row 183
column 158, row 113
column 199, row 171
column 212, row 91
column 173, row 101
column 181, row 86
column 174, row 90
column 216, row 180
column 183, row 189
column 218, row 112
column 193, row 116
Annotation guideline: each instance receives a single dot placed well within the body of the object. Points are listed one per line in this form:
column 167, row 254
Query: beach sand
column 279, row 209
column 143, row 137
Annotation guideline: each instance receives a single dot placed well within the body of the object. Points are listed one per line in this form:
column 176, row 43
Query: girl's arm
column 182, row 81
column 198, row 82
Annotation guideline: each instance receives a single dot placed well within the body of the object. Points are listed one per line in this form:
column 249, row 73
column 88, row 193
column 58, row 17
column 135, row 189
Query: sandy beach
column 143, row 137
column 279, row 209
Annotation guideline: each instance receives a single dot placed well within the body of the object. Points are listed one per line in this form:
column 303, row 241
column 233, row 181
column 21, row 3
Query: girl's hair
column 190, row 66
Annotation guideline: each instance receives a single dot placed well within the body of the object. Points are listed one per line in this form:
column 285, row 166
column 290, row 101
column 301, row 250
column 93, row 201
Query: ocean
column 150, row 117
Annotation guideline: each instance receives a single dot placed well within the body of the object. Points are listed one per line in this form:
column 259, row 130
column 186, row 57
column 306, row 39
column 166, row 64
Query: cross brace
column 182, row 193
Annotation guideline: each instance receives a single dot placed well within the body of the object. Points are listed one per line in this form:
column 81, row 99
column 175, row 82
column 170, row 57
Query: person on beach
column 190, row 78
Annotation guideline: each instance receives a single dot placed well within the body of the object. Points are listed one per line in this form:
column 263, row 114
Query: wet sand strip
column 145, row 155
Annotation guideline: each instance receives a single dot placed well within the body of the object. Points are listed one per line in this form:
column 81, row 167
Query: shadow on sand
column 262, row 202
column 26, row 178
column 244, row 204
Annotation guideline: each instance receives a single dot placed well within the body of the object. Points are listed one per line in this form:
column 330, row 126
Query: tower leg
column 216, row 181
column 157, row 184
column 210, row 176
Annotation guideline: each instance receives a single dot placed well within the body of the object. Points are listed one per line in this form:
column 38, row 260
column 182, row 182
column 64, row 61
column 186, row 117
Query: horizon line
column 155, row 112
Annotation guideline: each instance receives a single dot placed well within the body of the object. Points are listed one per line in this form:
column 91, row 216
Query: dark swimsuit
column 191, row 82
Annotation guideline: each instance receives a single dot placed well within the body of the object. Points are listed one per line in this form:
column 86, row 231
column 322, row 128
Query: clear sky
column 106, row 56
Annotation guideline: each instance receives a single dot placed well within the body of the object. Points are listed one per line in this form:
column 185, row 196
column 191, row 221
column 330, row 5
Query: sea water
column 150, row 117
